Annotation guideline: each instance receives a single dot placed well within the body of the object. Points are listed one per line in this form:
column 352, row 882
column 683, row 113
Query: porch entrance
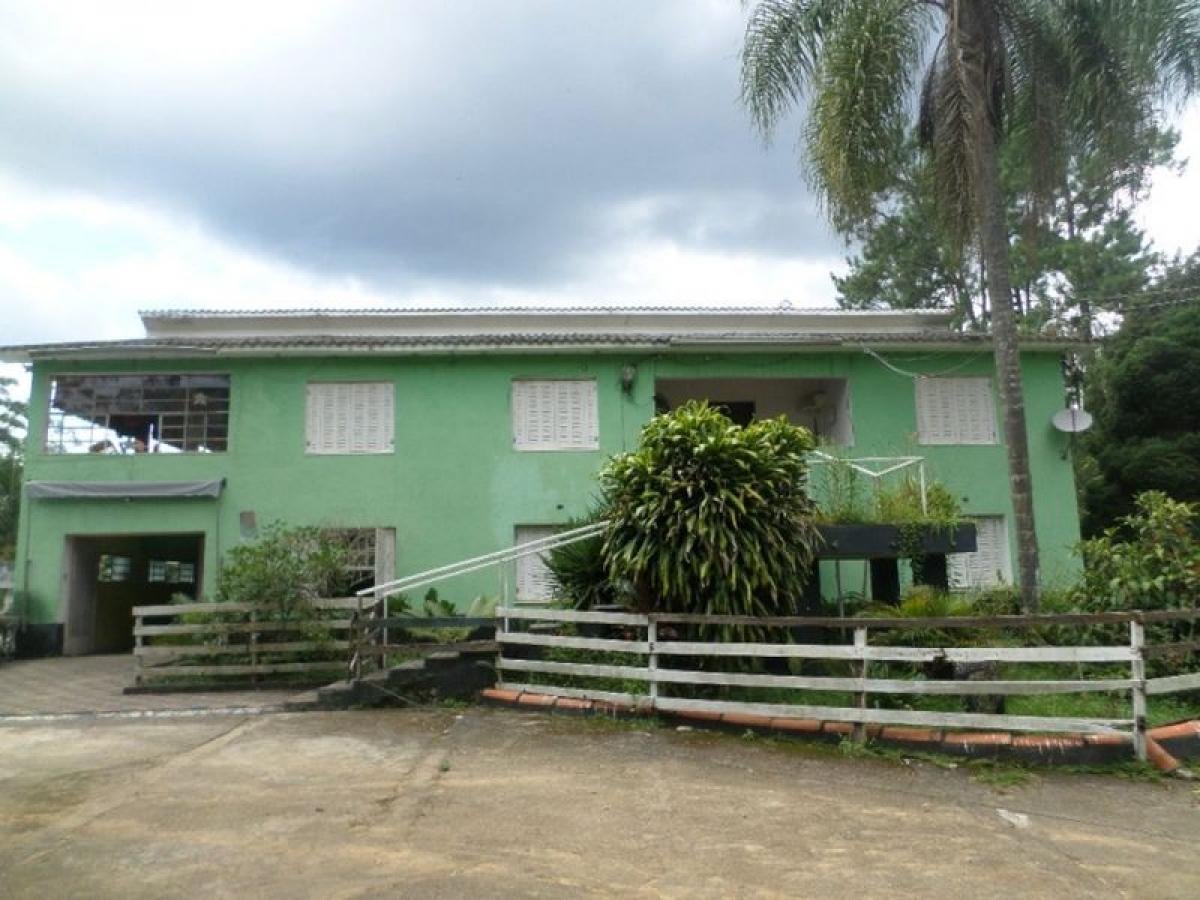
column 105, row 576
column 820, row 404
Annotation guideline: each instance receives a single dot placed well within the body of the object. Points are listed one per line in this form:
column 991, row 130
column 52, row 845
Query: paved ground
column 498, row 803
column 71, row 684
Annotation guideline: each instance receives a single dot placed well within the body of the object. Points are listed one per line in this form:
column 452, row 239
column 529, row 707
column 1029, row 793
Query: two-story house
column 439, row 434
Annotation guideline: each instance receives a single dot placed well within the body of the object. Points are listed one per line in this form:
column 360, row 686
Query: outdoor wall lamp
column 628, row 377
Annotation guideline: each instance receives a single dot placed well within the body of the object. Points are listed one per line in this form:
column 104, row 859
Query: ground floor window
column 170, row 571
column 114, row 568
column 535, row 584
column 369, row 554
column 990, row 565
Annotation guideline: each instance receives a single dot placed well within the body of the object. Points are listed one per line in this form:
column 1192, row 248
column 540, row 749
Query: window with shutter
column 555, row 415
column 955, row 411
column 534, row 582
column 350, row 417
column 990, row 565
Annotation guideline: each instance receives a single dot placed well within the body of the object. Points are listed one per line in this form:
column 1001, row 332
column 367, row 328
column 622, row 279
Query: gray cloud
column 476, row 142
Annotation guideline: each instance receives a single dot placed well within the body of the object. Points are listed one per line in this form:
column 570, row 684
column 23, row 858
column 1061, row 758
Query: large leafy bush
column 710, row 517
column 284, row 571
column 1149, row 560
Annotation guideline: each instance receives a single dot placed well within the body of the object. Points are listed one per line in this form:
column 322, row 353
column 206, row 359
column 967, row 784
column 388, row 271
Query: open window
column 369, row 556
column 126, row 414
column 820, row 404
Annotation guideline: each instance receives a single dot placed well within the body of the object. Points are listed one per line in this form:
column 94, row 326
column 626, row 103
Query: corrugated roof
column 532, row 310
column 351, row 343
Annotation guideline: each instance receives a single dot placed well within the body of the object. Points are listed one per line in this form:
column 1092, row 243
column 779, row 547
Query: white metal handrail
column 487, row 560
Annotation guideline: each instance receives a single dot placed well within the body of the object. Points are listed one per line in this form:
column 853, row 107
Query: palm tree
column 1085, row 73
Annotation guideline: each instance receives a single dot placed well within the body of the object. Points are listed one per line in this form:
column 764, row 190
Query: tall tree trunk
column 994, row 248
column 994, row 243
column 1085, row 304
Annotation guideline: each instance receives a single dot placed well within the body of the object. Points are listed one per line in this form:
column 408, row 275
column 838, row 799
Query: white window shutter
column 534, row 581
column 955, row 411
column 555, row 415
column 990, row 565
column 350, row 417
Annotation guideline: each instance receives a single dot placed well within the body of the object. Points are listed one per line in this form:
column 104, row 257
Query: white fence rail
column 654, row 642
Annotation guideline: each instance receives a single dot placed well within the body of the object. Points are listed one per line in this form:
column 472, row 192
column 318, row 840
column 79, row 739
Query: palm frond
column 859, row 114
column 1160, row 41
column 781, row 53
column 957, row 108
column 1039, row 85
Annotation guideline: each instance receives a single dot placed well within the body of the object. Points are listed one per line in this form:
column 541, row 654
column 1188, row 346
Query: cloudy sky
column 435, row 152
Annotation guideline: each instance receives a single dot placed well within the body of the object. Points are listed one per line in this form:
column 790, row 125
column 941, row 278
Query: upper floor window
column 955, row 411
column 555, row 415
column 138, row 414
column 350, row 417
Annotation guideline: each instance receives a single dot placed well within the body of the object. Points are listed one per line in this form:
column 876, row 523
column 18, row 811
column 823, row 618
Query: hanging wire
column 906, row 374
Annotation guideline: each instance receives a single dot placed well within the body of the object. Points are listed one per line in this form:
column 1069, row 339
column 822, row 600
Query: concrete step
column 306, row 702
column 407, row 674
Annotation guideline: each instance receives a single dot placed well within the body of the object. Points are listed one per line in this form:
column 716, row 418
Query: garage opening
column 820, row 404
column 107, row 575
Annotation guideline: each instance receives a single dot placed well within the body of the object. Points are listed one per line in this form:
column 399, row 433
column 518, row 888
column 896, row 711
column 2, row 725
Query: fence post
column 652, row 645
column 138, row 643
column 381, row 611
column 1137, row 641
column 355, row 629
column 254, row 646
column 501, row 628
column 860, row 697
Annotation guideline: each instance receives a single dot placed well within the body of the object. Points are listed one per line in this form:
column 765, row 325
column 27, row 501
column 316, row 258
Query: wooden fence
column 236, row 639
column 659, row 639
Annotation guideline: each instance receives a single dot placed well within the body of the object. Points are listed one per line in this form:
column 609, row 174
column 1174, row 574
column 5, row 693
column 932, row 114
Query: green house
column 427, row 436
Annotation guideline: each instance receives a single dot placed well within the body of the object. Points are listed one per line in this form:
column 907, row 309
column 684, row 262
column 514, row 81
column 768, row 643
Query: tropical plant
column 579, row 572
column 921, row 602
column 710, row 517
column 1089, row 72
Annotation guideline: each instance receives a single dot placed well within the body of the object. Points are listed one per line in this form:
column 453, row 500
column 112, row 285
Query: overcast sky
column 251, row 154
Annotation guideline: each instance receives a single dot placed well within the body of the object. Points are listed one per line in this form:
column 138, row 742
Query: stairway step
column 407, row 673
column 305, row 702
column 442, row 659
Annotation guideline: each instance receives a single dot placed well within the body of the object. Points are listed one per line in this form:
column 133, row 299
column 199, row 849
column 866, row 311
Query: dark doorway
column 107, row 575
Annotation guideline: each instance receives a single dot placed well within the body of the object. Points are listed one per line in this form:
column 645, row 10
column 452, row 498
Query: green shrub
column 283, row 572
column 1149, row 560
column 709, row 517
column 901, row 504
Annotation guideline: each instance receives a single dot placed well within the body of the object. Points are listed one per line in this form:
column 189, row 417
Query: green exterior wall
column 455, row 487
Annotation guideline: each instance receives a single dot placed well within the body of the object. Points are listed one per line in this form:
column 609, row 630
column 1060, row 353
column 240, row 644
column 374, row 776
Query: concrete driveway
column 498, row 803
column 64, row 685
